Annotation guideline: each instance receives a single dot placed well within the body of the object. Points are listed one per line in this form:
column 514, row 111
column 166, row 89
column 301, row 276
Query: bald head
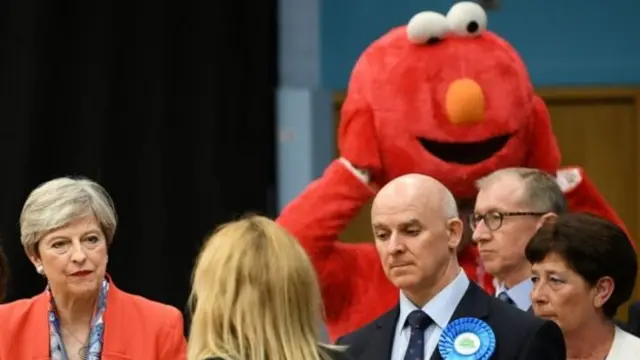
column 420, row 190
column 417, row 232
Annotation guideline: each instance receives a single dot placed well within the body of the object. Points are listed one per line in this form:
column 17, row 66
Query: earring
column 40, row 269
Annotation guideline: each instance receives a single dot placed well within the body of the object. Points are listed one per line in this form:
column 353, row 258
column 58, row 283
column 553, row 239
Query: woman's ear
column 34, row 257
column 603, row 291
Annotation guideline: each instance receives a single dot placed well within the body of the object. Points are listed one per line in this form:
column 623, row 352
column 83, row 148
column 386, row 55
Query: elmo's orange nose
column 464, row 102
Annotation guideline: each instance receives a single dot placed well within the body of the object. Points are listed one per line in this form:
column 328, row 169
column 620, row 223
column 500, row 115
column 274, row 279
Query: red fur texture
column 396, row 120
column 396, row 98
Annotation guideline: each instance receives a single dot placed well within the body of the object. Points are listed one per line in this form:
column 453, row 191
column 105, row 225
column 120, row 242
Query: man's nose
column 481, row 232
column 395, row 244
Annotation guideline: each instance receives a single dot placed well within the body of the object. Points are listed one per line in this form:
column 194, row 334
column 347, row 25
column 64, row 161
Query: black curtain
column 168, row 104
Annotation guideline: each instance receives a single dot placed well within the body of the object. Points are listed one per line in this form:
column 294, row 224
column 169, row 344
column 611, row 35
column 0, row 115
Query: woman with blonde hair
column 255, row 296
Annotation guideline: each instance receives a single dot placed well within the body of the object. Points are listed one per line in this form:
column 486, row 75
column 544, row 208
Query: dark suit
column 519, row 335
column 633, row 324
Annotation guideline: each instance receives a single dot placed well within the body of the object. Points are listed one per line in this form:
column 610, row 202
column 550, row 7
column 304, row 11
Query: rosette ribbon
column 467, row 339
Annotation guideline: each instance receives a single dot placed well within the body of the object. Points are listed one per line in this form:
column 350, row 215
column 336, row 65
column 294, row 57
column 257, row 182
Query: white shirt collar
column 442, row 306
column 519, row 293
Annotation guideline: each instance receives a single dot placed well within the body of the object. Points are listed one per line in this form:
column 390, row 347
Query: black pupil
column 472, row 27
column 433, row 40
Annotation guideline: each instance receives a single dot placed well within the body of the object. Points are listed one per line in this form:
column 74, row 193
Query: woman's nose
column 537, row 295
column 77, row 253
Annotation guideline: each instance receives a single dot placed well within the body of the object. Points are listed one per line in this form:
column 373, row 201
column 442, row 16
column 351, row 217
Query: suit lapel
column 38, row 327
column 115, row 331
column 475, row 303
column 382, row 337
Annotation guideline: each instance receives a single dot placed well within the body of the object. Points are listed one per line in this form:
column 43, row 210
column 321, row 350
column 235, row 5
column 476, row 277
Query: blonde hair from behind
column 255, row 296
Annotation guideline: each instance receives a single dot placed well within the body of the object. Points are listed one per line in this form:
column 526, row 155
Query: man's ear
column 546, row 218
column 454, row 230
column 602, row 291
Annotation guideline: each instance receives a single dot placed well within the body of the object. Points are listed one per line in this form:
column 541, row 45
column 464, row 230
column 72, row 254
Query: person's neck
column 592, row 340
column 74, row 312
column 515, row 277
column 426, row 293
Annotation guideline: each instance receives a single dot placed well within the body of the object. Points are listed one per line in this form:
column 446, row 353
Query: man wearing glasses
column 511, row 205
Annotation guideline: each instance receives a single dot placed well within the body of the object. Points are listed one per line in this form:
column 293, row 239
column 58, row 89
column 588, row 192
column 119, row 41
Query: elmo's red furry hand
column 357, row 138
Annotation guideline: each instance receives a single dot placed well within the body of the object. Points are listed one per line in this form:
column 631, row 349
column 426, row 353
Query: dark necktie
column 506, row 298
column 418, row 321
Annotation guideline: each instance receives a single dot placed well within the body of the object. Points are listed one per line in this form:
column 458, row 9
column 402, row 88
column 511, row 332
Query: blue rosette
column 467, row 339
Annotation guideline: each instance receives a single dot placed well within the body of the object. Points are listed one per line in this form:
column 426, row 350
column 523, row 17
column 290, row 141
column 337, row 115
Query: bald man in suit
column 417, row 230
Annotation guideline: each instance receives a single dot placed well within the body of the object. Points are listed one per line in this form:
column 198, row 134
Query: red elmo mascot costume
column 440, row 96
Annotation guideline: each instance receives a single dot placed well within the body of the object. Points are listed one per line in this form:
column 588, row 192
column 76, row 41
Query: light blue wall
column 303, row 118
column 565, row 42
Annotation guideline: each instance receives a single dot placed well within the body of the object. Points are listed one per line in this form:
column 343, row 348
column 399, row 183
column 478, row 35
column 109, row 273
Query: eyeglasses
column 493, row 219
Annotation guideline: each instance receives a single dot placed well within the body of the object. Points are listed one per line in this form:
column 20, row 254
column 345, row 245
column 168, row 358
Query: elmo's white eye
column 427, row 27
column 467, row 19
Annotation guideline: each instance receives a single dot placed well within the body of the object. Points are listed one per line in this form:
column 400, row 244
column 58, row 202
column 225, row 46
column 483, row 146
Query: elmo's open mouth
column 465, row 153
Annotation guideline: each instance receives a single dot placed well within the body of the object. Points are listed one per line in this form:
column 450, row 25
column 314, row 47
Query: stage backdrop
column 168, row 104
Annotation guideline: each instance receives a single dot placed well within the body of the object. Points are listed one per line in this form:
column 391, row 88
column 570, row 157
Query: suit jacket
column 135, row 328
column 519, row 335
column 633, row 322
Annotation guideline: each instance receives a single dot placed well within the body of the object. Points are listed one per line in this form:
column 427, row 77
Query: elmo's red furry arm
column 316, row 218
column 354, row 287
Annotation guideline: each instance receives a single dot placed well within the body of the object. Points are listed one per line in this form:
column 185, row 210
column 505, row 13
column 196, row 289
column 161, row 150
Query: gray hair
column 449, row 205
column 541, row 191
column 58, row 202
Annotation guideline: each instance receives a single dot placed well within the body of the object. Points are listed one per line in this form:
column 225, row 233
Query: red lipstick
column 81, row 273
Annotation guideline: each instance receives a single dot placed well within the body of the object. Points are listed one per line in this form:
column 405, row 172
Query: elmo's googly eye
column 427, row 27
column 467, row 19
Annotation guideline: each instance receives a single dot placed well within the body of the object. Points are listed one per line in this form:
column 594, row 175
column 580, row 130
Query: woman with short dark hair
column 583, row 269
